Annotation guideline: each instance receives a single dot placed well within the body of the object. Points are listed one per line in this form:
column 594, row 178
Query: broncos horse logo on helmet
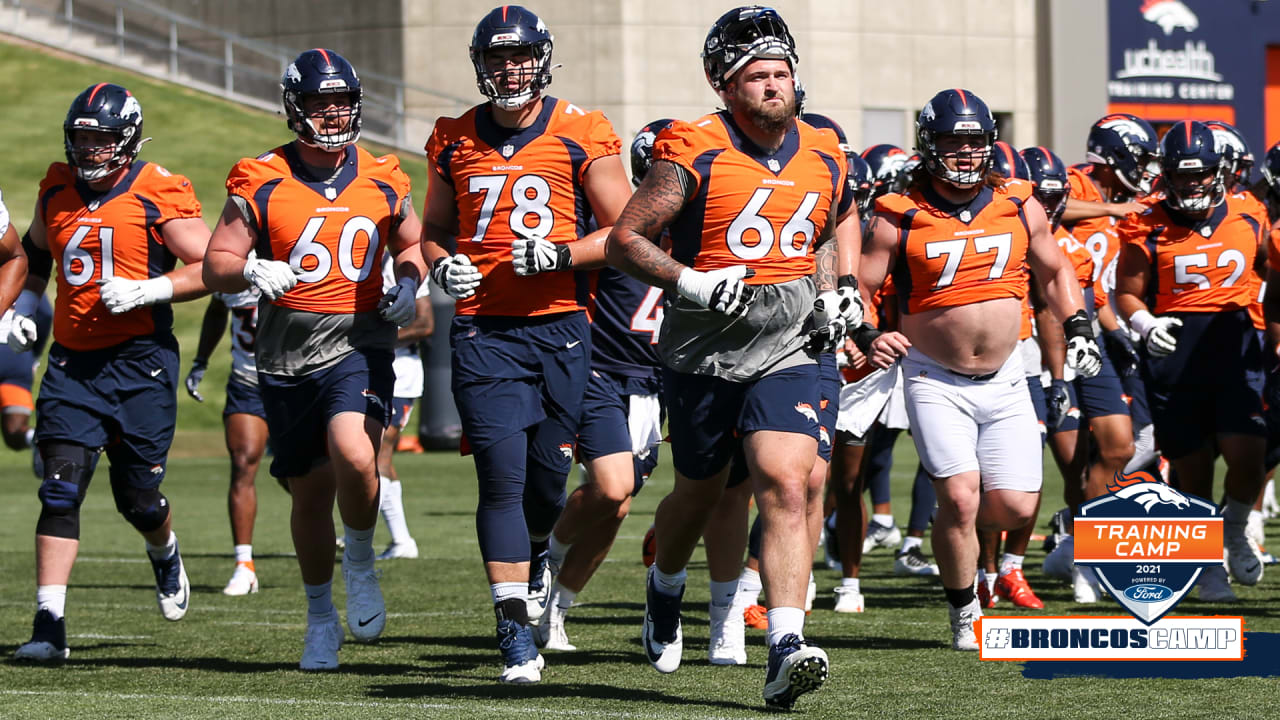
column 642, row 149
column 114, row 114
column 1127, row 144
column 320, row 72
column 1235, row 149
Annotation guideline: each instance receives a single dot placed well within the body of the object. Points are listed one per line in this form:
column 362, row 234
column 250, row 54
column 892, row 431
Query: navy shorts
column 512, row 373
column 828, row 403
column 1038, row 400
column 606, row 420
column 1102, row 394
column 1072, row 420
column 122, row 398
column 401, row 411
column 243, row 399
column 1211, row 384
column 707, row 415
column 1135, row 391
column 299, row 408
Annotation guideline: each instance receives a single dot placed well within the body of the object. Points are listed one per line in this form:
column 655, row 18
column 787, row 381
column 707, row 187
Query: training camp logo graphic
column 1148, row 543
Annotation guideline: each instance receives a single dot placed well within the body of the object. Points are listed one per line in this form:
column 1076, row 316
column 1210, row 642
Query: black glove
column 1058, row 404
column 1123, row 355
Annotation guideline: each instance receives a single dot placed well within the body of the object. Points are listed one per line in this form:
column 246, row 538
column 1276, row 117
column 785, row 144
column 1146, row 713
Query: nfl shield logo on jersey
column 1147, row 542
column 508, row 150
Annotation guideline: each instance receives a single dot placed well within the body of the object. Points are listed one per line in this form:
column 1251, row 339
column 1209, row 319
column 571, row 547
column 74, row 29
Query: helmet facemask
column 1052, row 196
column 972, row 164
column 311, row 126
column 1196, row 189
column 121, row 144
column 1143, row 174
column 531, row 76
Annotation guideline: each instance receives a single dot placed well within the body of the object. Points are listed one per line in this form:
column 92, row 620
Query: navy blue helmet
column 742, row 35
column 862, row 183
column 888, row 167
column 512, row 26
column 114, row 114
column 956, row 112
column 1235, row 150
column 1049, row 174
column 321, row 72
column 1127, row 144
column 1271, row 170
column 642, row 148
column 1194, row 167
column 1008, row 162
column 819, row 120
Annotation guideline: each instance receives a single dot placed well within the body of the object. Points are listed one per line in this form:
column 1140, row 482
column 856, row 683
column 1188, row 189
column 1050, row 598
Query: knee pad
column 144, row 509
column 67, row 471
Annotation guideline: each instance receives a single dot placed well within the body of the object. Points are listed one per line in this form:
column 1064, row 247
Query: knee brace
column 67, row 471
column 144, row 509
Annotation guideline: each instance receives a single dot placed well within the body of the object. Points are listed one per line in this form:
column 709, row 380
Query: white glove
column 829, row 325
column 399, row 305
column 121, row 295
column 1157, row 332
column 194, row 377
column 533, row 255
column 850, row 305
column 720, row 290
column 456, row 275
column 273, row 278
column 22, row 334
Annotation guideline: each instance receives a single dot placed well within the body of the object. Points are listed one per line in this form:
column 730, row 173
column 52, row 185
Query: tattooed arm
column 825, row 257
column 632, row 245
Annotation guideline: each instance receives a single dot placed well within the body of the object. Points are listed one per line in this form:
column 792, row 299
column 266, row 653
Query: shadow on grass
column 235, row 667
column 549, row 691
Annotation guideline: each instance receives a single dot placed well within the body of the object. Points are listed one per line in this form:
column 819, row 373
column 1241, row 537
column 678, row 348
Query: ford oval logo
column 1148, row 593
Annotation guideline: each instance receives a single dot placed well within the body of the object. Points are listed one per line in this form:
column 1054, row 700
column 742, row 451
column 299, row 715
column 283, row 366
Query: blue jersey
column 624, row 328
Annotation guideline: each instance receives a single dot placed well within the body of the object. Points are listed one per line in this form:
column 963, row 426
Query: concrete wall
column 639, row 59
column 1072, row 61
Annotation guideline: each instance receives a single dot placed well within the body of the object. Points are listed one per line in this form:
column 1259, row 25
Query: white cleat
column 407, row 550
column 1084, row 583
column 888, row 536
column 962, row 620
column 321, row 643
column 366, row 611
column 1061, row 562
column 522, row 663
column 1270, row 508
column 849, row 600
column 1215, row 586
column 1244, row 558
column 728, row 635
column 661, row 634
column 244, row 581
column 913, row 562
column 550, row 634
column 173, row 589
column 810, row 594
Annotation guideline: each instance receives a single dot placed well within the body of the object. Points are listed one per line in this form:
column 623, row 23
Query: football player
column 244, row 420
column 320, row 211
column 1180, row 286
column 621, row 428
column 17, row 374
column 956, row 243
column 115, row 227
column 408, row 388
column 750, row 197
column 513, row 184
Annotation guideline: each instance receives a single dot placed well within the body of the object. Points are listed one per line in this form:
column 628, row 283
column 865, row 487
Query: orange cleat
column 648, row 547
column 756, row 616
column 409, row 443
column 1013, row 587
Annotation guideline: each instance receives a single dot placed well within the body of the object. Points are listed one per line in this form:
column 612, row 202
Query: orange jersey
column 336, row 232
column 1097, row 235
column 945, row 259
column 1080, row 259
column 762, row 211
column 508, row 184
column 1197, row 266
column 94, row 236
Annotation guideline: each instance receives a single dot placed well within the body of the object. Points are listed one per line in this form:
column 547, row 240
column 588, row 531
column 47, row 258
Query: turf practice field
column 237, row 657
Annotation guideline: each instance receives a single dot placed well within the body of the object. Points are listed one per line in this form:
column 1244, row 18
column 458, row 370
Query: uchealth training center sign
column 1148, row 545
column 1174, row 60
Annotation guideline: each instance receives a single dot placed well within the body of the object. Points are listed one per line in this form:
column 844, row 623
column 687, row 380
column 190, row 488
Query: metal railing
column 154, row 41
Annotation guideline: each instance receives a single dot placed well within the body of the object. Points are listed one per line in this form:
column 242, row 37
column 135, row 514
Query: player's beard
column 768, row 118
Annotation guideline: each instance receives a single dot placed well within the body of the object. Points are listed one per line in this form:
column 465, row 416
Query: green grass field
column 237, row 657
column 194, row 134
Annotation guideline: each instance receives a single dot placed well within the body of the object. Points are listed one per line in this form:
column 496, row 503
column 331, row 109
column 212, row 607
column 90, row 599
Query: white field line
column 503, row 709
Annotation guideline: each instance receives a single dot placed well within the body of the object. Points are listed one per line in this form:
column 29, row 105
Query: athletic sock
column 784, row 621
column 722, row 593
column 1010, row 562
column 52, row 598
column 392, row 506
column 163, row 552
column 668, row 584
column 911, row 541
column 884, row 519
column 319, row 599
column 749, row 588
column 359, row 544
column 244, row 554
